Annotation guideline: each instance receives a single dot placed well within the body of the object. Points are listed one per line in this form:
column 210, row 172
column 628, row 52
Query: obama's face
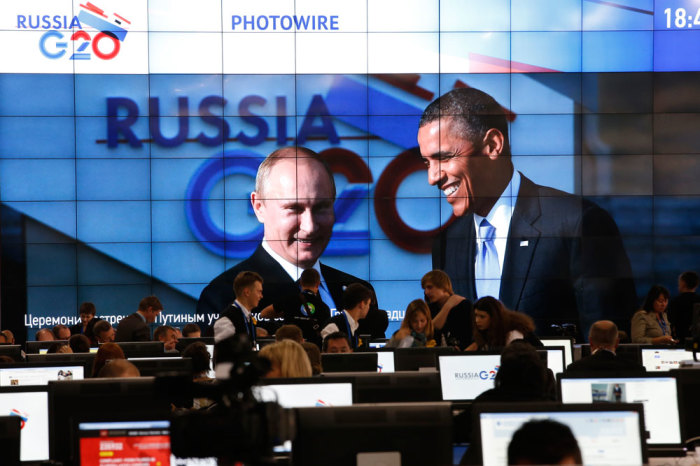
column 296, row 209
column 463, row 170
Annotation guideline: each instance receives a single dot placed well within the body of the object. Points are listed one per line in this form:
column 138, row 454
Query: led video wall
column 131, row 132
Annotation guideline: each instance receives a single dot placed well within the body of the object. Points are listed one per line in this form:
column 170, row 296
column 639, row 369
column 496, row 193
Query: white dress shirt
column 499, row 217
column 294, row 271
column 332, row 328
column 224, row 328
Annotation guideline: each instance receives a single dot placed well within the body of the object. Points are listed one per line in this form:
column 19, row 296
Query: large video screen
column 131, row 133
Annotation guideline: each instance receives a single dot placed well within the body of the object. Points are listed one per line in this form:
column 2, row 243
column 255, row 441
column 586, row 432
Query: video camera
column 237, row 427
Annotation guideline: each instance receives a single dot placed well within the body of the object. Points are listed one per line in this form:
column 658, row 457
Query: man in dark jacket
column 135, row 326
column 604, row 339
column 680, row 308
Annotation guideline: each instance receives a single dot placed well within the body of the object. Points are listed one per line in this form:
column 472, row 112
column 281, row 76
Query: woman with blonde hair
column 287, row 359
column 416, row 329
column 496, row 327
column 451, row 313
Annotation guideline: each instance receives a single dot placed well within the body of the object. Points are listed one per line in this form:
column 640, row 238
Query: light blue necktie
column 488, row 272
column 325, row 294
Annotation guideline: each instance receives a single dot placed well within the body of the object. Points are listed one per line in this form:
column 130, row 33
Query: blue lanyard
column 350, row 334
column 662, row 324
column 250, row 327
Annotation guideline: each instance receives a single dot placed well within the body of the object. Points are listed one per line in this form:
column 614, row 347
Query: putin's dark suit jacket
column 564, row 260
column 277, row 284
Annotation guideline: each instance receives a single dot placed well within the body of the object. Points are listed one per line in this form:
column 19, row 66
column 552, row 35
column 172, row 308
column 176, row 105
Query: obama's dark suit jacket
column 564, row 261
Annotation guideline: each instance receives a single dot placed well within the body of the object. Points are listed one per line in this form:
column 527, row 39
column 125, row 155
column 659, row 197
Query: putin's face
column 296, row 209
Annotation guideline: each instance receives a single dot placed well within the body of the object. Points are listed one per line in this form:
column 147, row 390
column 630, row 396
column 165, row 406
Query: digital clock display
column 679, row 18
column 676, row 35
column 676, row 14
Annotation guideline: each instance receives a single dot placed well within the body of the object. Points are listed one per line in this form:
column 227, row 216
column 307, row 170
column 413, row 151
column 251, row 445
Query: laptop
column 664, row 359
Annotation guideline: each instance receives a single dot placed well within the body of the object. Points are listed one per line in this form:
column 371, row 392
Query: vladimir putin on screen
column 293, row 199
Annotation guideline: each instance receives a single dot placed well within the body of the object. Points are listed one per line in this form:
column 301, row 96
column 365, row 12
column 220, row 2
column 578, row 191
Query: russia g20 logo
column 23, row 418
column 490, row 374
column 105, row 43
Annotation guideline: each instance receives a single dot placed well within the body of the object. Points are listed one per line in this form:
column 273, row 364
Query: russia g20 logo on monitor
column 104, row 43
column 22, row 417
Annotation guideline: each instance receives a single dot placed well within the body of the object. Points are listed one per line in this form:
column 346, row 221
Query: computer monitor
column 184, row 342
column 10, row 428
column 128, row 442
column 398, row 433
column 210, row 349
column 349, row 362
column 124, row 442
column 306, row 392
column 30, row 404
column 695, row 323
column 465, row 376
column 385, row 361
column 152, row 367
column 71, row 402
column 414, row 359
column 212, row 373
column 378, row 343
column 38, row 373
column 385, row 357
column 405, row 386
column 35, row 347
column 688, row 381
column 657, row 393
column 566, row 342
column 664, row 359
column 555, row 358
column 86, row 359
column 93, row 349
column 13, row 351
column 627, row 351
column 263, row 342
column 606, row 433
column 144, row 349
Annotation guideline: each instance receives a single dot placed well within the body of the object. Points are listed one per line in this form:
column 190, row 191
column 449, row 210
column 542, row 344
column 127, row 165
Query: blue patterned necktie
column 488, row 272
